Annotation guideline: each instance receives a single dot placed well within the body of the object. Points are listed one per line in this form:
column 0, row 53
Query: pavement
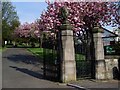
column 97, row 84
column 21, row 69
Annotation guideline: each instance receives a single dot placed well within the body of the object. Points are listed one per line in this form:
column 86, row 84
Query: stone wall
column 112, row 67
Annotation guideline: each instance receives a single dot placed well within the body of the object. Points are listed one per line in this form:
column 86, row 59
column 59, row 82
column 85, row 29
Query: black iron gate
column 83, row 66
column 83, row 54
column 51, row 62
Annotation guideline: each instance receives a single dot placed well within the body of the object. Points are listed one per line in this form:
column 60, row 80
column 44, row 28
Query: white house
column 117, row 31
column 109, row 36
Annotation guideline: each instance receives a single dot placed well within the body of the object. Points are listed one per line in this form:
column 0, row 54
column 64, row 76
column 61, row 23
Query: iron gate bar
column 83, row 63
column 51, row 59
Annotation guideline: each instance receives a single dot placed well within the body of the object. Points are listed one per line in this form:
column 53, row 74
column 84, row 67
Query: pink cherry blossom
column 95, row 12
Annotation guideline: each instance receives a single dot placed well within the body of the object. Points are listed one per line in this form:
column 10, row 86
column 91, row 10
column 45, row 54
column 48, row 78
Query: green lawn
column 37, row 52
column 50, row 54
column 79, row 57
column 2, row 49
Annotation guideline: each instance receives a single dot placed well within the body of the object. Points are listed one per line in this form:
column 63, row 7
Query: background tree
column 0, row 24
column 29, row 32
column 10, row 20
column 23, row 31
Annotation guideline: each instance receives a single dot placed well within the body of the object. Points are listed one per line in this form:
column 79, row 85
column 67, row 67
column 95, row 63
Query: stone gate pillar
column 68, row 64
column 99, row 54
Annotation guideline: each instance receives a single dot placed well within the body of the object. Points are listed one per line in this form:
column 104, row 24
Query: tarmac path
column 22, row 70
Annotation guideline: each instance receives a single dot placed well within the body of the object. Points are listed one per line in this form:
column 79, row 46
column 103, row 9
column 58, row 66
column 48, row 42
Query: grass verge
column 50, row 54
column 37, row 52
column 2, row 49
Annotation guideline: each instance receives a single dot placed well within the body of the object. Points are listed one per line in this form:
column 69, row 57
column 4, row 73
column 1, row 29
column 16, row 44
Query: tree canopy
column 28, row 30
column 10, row 20
column 81, row 14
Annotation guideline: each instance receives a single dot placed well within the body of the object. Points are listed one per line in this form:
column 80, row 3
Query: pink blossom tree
column 28, row 32
column 81, row 14
column 23, row 32
column 36, row 33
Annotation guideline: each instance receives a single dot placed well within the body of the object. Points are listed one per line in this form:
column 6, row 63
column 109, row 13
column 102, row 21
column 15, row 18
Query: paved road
column 21, row 70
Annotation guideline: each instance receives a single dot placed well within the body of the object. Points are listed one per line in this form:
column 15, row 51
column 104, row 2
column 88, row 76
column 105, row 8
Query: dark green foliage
column 10, row 20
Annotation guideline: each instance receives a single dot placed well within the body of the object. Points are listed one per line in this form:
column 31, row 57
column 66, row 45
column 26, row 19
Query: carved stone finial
column 63, row 13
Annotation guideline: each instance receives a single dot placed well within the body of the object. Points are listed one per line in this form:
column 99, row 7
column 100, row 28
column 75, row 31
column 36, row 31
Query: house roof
column 108, row 34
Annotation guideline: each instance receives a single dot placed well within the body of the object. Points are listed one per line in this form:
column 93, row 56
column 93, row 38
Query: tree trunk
column 40, row 42
column 3, row 43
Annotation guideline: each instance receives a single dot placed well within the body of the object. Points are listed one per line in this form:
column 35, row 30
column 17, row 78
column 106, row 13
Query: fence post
column 100, row 68
column 68, row 64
